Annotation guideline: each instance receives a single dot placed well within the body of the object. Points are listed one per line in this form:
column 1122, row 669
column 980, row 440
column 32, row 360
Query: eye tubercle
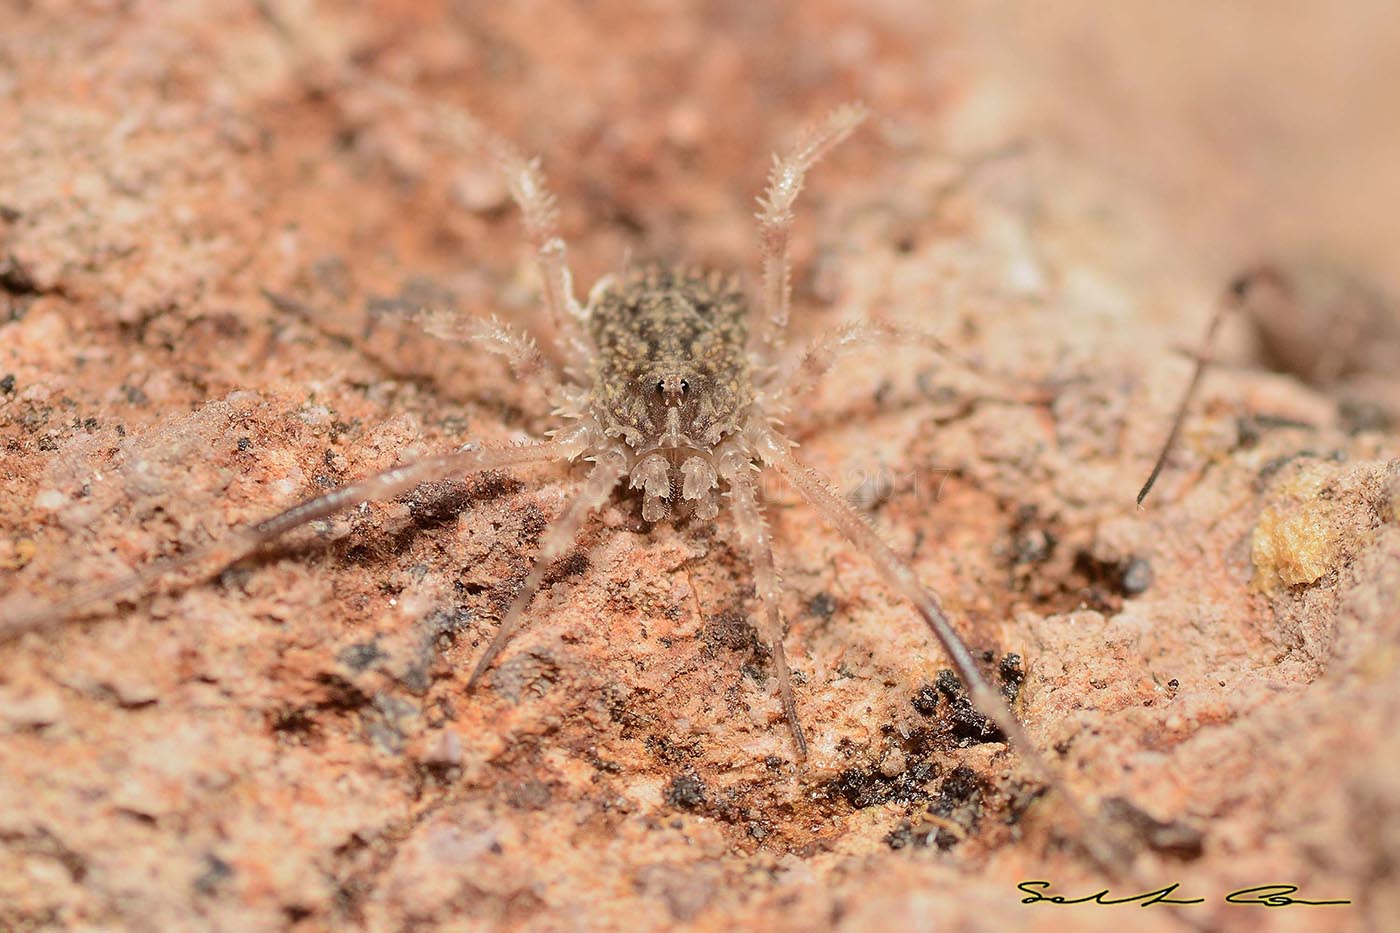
column 673, row 388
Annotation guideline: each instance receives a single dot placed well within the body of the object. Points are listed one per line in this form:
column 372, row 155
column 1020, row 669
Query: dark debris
column 686, row 792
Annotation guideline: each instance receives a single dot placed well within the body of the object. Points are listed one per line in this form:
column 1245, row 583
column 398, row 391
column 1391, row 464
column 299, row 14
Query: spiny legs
column 737, row 470
column 523, row 177
column 773, row 449
column 608, row 469
column 519, row 349
column 775, row 219
column 897, row 573
column 525, row 181
column 387, row 484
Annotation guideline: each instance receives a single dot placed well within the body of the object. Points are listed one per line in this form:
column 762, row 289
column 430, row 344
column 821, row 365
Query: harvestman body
column 665, row 381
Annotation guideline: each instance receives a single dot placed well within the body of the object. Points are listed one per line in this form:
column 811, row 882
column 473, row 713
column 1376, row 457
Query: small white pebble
column 893, row 764
column 315, row 414
column 50, row 499
column 445, row 750
column 30, row 707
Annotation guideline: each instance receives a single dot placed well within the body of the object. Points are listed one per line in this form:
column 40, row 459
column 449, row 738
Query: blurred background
column 1259, row 127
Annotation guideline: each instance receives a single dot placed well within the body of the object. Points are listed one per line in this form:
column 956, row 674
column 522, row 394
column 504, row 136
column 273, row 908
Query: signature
column 1273, row 895
column 1263, row 895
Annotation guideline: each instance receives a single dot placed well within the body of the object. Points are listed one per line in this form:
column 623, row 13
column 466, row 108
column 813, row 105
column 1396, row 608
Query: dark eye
column 685, row 386
column 660, row 385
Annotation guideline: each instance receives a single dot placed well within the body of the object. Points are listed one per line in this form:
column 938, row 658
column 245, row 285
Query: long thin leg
column 319, row 321
column 737, row 470
column 391, row 482
column 523, row 177
column 1203, row 359
column 607, row 470
column 525, row 180
column 898, row 574
column 801, row 377
column 773, row 449
column 775, row 219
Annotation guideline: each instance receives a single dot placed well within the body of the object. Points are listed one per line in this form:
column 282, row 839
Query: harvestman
column 662, row 381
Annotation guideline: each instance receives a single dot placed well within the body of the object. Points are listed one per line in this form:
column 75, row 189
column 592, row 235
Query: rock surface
column 211, row 245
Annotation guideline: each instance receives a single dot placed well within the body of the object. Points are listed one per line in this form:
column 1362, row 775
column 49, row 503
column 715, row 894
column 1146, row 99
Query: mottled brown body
column 671, row 368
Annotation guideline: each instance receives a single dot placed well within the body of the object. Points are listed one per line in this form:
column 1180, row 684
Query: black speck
column 901, row 836
column 244, row 443
column 1032, row 546
column 1173, row 684
column 416, row 679
column 729, row 630
column 361, row 656
column 15, row 278
column 571, row 565
column 295, row 725
column 822, row 605
column 968, row 725
column 1269, row 469
column 1013, row 674
column 926, row 700
column 435, row 504
column 869, row 787
column 1247, row 433
column 958, row 800
column 948, row 684
column 959, row 785
column 7, row 384
column 216, row 872
column 686, row 792
column 604, row 765
column 1242, row 283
